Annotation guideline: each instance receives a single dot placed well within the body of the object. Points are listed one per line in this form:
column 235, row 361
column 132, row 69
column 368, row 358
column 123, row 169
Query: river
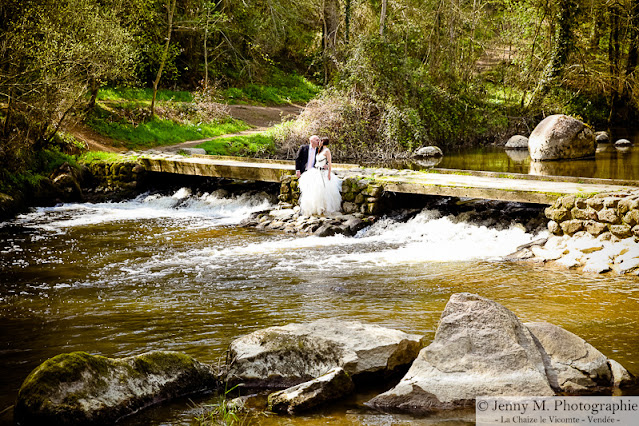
column 173, row 271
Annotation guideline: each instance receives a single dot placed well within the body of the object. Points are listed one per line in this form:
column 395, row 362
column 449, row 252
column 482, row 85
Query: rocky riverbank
column 596, row 234
column 491, row 214
column 303, row 365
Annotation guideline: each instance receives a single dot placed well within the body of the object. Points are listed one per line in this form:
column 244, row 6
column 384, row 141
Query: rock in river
column 561, row 137
column 280, row 357
column 480, row 348
column 577, row 366
column 332, row 385
column 79, row 388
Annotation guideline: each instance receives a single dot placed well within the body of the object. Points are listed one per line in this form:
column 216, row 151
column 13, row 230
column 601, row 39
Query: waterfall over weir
column 176, row 272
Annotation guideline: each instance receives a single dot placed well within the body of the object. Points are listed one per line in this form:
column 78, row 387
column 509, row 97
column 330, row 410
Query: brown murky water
column 174, row 272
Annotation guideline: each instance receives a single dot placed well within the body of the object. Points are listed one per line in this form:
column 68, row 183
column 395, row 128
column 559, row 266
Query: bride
column 320, row 188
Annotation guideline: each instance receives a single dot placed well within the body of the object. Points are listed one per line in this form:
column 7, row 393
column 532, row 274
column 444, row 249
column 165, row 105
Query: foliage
column 142, row 94
column 103, row 157
column 39, row 166
column 255, row 145
column 386, row 104
column 444, row 73
column 51, row 54
column 222, row 413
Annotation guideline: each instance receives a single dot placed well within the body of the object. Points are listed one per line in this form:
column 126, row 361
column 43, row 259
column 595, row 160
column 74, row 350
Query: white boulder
column 428, row 151
column 332, row 385
column 576, row 365
column 561, row 137
column 517, row 142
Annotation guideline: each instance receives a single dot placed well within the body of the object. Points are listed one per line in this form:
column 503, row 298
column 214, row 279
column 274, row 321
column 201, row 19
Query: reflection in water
column 517, row 155
column 177, row 273
column 609, row 162
column 428, row 162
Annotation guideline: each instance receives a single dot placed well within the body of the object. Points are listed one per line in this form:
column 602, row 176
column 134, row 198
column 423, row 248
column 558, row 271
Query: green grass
column 281, row 89
column 103, row 157
column 158, row 132
column 242, row 146
column 142, row 94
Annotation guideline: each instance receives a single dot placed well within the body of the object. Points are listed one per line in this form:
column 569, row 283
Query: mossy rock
column 80, row 388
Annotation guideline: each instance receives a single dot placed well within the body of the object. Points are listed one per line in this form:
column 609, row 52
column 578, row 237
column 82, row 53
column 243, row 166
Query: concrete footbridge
column 442, row 182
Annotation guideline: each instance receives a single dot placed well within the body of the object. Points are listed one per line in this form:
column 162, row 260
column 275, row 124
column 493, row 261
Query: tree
column 52, row 53
column 382, row 17
column 170, row 9
column 331, row 20
column 564, row 45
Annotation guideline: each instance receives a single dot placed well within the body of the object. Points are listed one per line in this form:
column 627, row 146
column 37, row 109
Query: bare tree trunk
column 170, row 8
column 331, row 22
column 5, row 127
column 94, row 87
column 206, row 53
column 626, row 111
column 564, row 45
column 613, row 60
column 382, row 18
column 633, row 51
column 347, row 19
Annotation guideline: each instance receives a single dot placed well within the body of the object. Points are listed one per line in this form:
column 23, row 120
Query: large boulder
column 480, row 349
column 332, row 385
column 576, row 365
column 561, row 137
column 281, row 357
column 79, row 388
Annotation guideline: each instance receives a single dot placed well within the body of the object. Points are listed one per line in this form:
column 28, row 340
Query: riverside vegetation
column 380, row 78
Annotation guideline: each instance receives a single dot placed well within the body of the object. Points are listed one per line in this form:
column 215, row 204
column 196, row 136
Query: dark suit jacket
column 302, row 158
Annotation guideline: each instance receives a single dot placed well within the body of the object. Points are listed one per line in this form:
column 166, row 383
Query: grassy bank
column 160, row 132
column 255, row 145
column 123, row 114
column 280, row 89
column 36, row 169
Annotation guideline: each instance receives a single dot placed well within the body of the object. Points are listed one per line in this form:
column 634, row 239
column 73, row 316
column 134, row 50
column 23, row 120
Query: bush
column 38, row 166
column 385, row 104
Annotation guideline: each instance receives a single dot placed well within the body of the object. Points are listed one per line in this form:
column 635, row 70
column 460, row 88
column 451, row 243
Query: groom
column 306, row 155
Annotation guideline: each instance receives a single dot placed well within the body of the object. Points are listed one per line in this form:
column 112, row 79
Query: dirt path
column 94, row 140
column 259, row 117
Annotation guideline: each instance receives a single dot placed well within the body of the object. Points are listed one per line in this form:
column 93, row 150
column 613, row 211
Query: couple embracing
column 320, row 188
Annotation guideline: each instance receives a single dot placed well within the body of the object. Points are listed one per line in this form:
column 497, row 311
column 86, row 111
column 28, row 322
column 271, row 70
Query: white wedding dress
column 319, row 194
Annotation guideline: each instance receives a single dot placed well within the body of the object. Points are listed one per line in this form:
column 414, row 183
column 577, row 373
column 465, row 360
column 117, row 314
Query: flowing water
column 175, row 272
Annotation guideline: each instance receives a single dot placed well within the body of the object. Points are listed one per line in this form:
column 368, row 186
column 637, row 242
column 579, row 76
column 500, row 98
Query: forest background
column 379, row 77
